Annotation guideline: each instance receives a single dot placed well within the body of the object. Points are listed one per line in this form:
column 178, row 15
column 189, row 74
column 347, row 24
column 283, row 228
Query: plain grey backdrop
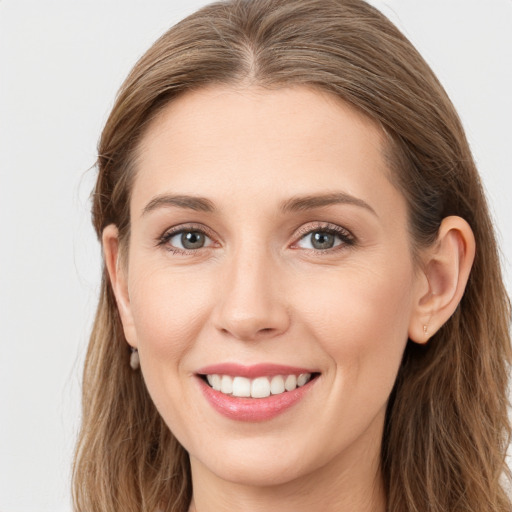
column 61, row 62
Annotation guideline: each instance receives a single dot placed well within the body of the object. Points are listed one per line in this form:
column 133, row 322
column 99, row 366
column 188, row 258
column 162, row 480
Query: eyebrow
column 199, row 204
column 304, row 203
column 294, row 204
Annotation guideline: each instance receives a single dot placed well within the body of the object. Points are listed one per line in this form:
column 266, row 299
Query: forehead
column 253, row 144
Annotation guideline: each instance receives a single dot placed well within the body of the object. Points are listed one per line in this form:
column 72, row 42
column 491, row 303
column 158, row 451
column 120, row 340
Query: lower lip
column 253, row 409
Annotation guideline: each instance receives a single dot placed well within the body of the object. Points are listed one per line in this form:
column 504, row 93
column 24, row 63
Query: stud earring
column 134, row 359
column 425, row 330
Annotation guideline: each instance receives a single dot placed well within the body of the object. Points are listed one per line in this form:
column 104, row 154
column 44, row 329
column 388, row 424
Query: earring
column 134, row 359
column 425, row 330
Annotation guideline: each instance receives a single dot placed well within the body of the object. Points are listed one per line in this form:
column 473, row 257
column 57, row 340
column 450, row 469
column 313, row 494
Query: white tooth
column 215, row 382
column 290, row 383
column 277, row 385
column 241, row 387
column 303, row 379
column 226, row 384
column 209, row 378
column 260, row 387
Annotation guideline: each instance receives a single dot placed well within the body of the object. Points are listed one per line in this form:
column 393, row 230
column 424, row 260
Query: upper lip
column 252, row 371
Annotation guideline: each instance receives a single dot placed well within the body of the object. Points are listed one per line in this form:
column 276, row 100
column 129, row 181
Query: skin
column 259, row 291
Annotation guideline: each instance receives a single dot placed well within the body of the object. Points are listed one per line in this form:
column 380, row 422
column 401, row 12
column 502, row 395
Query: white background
column 61, row 62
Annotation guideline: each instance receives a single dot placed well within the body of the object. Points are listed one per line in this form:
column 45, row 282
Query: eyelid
column 346, row 237
column 171, row 232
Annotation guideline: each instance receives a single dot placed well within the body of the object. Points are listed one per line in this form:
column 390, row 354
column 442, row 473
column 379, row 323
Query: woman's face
column 267, row 246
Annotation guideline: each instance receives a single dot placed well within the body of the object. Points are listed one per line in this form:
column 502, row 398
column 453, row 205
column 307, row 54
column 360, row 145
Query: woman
column 302, row 305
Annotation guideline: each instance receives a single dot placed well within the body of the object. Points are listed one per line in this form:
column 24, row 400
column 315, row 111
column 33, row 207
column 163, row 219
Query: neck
column 293, row 501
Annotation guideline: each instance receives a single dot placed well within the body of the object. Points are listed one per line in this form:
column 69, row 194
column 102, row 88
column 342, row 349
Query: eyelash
column 191, row 228
column 347, row 239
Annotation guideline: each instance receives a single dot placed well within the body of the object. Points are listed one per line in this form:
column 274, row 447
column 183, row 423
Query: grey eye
column 189, row 240
column 320, row 240
column 192, row 240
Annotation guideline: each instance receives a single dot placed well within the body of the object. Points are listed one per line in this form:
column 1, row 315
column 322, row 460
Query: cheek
column 360, row 317
column 167, row 311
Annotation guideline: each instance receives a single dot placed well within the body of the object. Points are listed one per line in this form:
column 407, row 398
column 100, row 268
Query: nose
column 252, row 299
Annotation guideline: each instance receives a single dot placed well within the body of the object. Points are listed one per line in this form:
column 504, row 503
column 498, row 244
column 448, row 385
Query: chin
column 261, row 462
column 258, row 471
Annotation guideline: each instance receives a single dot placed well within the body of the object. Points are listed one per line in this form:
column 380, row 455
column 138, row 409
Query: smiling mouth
column 259, row 387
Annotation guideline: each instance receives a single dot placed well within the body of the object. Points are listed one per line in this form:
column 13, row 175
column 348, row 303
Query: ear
column 117, row 271
column 444, row 275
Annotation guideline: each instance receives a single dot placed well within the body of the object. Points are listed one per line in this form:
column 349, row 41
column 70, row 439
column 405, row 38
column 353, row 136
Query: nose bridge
column 251, row 301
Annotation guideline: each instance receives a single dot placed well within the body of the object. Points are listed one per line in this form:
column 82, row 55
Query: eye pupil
column 192, row 240
column 322, row 240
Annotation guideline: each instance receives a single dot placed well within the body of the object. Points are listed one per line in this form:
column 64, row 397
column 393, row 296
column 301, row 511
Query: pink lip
column 253, row 371
column 252, row 409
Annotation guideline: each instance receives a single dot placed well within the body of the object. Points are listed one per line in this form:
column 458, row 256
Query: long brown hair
column 446, row 430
